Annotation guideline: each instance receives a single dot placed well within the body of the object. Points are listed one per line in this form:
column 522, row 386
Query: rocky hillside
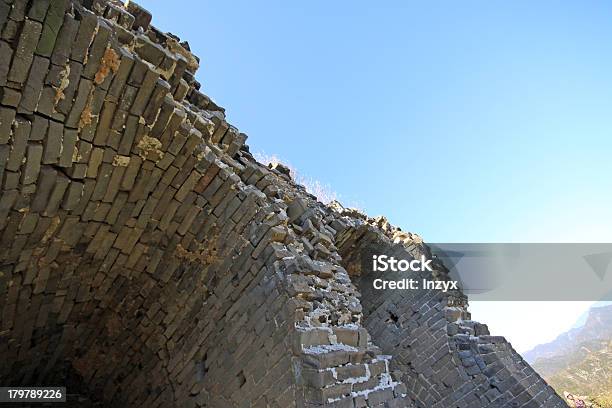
column 580, row 360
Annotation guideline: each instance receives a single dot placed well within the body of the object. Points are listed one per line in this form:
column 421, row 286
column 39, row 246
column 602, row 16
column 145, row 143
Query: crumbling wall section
column 146, row 259
column 337, row 363
column 134, row 262
column 444, row 358
column 139, row 259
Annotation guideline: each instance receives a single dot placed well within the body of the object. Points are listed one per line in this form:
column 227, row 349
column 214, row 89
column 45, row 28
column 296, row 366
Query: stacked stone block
column 134, row 262
column 147, row 259
column 336, row 363
column 444, row 358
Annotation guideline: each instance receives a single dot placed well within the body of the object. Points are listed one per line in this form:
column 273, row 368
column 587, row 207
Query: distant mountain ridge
column 598, row 325
column 579, row 361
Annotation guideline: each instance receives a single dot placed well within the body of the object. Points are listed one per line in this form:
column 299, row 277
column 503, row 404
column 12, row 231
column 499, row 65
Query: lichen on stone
column 121, row 161
column 64, row 82
column 150, row 148
column 109, row 62
column 75, row 155
column 86, row 116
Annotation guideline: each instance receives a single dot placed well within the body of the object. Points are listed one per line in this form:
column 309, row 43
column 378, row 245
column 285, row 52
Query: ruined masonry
column 148, row 260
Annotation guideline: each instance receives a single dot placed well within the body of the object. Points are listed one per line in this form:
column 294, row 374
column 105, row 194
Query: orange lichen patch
column 121, row 161
column 206, row 256
column 86, row 116
column 75, row 155
column 59, row 91
column 150, row 148
column 110, row 62
column 205, row 252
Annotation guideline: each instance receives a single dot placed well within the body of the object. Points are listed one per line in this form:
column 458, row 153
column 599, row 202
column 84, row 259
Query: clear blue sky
column 461, row 121
column 466, row 121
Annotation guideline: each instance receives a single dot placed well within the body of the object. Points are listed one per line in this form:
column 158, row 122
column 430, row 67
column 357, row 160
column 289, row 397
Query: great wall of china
column 148, row 260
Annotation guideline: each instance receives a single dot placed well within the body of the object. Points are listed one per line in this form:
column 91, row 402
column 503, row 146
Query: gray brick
column 120, row 78
column 96, row 50
column 67, row 96
column 24, row 53
column 51, row 26
column 104, row 124
column 38, row 10
column 7, row 116
column 21, row 134
column 32, row 168
column 68, row 145
column 6, row 54
column 5, row 151
column 81, row 101
column 73, row 195
column 87, row 27
column 57, row 194
column 9, row 97
column 65, row 40
column 144, row 93
column 5, row 10
column 46, row 182
column 40, row 125
column 53, row 143
column 34, row 85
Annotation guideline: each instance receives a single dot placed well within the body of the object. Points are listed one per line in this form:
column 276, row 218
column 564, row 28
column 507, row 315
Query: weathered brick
column 10, row 97
column 24, row 54
column 94, row 162
column 34, row 85
column 46, row 182
column 144, row 93
column 131, row 172
column 77, row 117
column 21, row 134
column 53, row 143
column 57, row 194
column 68, row 144
column 153, row 106
column 104, row 124
column 32, row 168
column 40, row 125
column 149, row 51
column 51, row 26
column 65, row 40
column 73, row 195
column 7, row 117
column 46, row 103
column 96, row 50
column 6, row 53
column 5, row 10
column 114, row 183
column 87, row 28
column 103, row 178
column 71, row 76
column 120, row 79
column 38, row 10
column 5, row 151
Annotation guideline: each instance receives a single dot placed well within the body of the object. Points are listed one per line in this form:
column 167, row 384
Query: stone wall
column 444, row 358
column 147, row 259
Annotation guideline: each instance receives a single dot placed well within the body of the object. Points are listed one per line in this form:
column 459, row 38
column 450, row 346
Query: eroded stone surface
column 147, row 259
